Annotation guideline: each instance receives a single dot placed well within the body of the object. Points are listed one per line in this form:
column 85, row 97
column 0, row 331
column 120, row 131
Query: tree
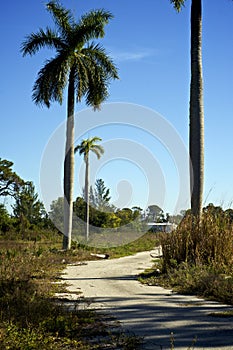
column 126, row 216
column 196, row 109
column 85, row 147
column 155, row 213
column 102, row 196
column 5, row 219
column 10, row 182
column 82, row 65
column 56, row 213
column 28, row 209
column 214, row 211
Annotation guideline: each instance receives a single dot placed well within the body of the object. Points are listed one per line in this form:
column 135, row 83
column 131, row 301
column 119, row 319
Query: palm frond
column 178, row 4
column 81, row 77
column 99, row 55
column 98, row 150
column 100, row 70
column 91, row 25
column 78, row 148
column 95, row 139
column 35, row 41
column 51, row 81
column 97, row 86
column 63, row 18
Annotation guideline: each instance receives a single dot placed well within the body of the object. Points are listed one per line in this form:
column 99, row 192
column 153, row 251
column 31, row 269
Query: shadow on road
column 186, row 320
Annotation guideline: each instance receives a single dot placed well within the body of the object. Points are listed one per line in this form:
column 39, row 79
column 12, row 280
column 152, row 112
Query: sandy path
column 150, row 311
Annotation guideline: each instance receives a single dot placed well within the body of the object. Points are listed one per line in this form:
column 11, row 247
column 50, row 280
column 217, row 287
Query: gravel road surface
column 150, row 311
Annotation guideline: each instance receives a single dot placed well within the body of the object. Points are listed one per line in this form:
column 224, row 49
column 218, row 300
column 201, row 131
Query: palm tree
column 82, row 65
column 84, row 148
column 196, row 109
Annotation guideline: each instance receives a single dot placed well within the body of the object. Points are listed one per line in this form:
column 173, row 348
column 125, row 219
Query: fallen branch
column 101, row 256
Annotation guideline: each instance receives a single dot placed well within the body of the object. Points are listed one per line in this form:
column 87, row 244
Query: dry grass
column 30, row 317
column 198, row 258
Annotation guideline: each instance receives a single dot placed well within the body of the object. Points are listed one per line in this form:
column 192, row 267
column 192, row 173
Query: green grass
column 144, row 243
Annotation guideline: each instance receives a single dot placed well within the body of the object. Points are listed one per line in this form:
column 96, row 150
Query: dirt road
column 150, row 311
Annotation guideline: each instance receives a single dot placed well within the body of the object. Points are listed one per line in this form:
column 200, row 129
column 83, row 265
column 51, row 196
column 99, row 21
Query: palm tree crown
column 88, row 145
column 92, row 69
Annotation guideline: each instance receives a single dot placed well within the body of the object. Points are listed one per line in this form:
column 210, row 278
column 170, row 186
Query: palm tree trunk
column 87, row 199
column 69, row 165
column 196, row 131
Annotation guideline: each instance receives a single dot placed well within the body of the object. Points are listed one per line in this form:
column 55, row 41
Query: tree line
column 28, row 215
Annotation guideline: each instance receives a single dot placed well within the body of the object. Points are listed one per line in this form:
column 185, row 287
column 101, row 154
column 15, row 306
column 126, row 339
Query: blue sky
column 149, row 42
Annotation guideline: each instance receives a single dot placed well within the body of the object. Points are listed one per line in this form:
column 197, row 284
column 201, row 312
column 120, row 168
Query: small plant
column 172, row 342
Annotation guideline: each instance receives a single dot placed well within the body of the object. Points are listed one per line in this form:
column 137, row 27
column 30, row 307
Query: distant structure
column 161, row 226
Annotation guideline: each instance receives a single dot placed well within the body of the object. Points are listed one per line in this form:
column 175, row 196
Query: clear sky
column 149, row 42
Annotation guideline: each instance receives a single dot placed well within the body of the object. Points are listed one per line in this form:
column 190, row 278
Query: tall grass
column 198, row 258
column 209, row 241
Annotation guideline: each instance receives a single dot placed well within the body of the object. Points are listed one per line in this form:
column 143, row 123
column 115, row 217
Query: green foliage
column 102, row 196
column 97, row 218
column 101, row 219
column 16, row 338
column 91, row 68
column 155, row 214
column 178, row 4
column 10, row 182
column 29, row 210
column 6, row 221
column 56, row 213
column 90, row 145
column 125, row 215
column 102, row 214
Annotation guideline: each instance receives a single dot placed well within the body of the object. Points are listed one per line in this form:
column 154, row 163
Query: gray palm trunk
column 87, row 199
column 196, row 112
column 69, row 165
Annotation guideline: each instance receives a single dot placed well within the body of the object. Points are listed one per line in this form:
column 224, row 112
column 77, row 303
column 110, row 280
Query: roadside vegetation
column 32, row 317
column 197, row 257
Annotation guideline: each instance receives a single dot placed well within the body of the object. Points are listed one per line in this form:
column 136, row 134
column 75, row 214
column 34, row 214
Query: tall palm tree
column 85, row 147
column 82, row 65
column 196, row 109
